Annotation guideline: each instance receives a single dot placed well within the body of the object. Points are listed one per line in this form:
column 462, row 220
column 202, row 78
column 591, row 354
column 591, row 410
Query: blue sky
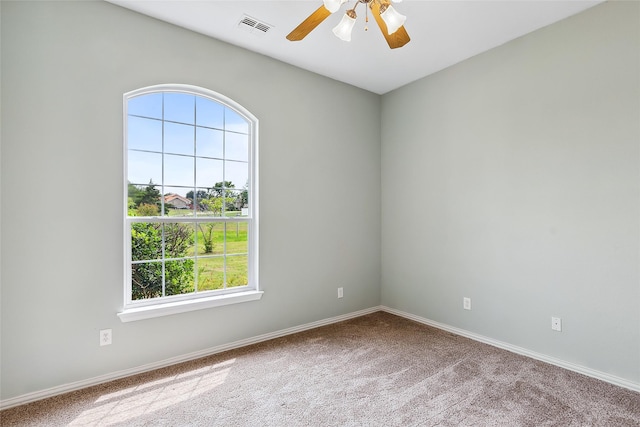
column 204, row 142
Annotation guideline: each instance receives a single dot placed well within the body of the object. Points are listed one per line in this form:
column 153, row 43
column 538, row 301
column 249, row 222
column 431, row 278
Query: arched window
column 191, row 201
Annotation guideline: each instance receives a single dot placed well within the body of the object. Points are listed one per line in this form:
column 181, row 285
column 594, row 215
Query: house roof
column 171, row 197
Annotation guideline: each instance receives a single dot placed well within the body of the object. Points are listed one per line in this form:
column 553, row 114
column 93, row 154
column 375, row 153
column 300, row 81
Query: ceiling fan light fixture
column 333, row 5
column 392, row 18
column 344, row 28
column 391, row 25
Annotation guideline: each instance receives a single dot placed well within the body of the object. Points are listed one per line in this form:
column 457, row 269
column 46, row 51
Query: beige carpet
column 376, row 370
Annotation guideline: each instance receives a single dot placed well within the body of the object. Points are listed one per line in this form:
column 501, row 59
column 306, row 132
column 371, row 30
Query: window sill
column 167, row 309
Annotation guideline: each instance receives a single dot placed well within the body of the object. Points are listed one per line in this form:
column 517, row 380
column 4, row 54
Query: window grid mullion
column 164, row 277
column 224, row 256
column 164, row 287
column 194, row 201
column 224, row 162
column 224, row 197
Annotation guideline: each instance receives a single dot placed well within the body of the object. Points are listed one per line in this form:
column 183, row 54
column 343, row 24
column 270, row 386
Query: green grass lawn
column 211, row 276
column 210, row 267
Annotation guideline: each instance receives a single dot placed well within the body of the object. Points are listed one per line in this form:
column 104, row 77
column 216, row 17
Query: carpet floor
column 374, row 370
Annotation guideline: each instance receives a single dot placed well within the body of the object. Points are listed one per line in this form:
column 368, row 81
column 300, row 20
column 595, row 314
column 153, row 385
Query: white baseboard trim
column 77, row 385
column 612, row 379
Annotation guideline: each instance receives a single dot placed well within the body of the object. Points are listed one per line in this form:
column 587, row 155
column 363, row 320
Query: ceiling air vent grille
column 254, row 25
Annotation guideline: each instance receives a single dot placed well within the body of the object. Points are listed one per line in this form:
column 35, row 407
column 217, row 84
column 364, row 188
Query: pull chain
column 366, row 18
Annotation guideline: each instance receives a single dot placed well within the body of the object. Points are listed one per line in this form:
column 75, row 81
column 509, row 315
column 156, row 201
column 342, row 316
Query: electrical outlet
column 556, row 324
column 105, row 337
column 340, row 293
column 466, row 303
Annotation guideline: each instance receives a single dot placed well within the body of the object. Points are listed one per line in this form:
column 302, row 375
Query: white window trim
column 139, row 310
column 176, row 307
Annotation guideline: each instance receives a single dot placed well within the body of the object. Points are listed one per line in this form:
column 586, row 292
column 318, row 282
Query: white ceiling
column 442, row 33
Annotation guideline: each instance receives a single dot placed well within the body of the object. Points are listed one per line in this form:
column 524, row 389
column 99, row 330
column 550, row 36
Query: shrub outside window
column 190, row 177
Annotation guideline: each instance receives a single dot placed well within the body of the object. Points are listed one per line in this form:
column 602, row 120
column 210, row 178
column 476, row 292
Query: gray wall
column 65, row 66
column 522, row 168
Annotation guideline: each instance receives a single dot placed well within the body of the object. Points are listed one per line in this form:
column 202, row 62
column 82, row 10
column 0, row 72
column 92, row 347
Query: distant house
column 177, row 201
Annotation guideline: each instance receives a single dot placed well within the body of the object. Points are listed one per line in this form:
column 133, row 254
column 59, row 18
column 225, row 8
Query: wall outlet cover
column 105, row 337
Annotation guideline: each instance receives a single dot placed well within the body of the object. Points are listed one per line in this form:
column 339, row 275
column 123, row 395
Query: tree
column 207, row 237
column 214, row 204
column 244, row 197
column 226, row 191
column 200, row 194
column 150, row 196
column 221, row 189
column 134, row 193
column 139, row 195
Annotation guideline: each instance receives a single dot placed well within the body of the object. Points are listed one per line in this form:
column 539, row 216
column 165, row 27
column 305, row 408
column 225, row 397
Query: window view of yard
column 203, row 255
column 189, row 221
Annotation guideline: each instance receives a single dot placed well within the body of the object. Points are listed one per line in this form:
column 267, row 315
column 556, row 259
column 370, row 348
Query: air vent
column 254, row 25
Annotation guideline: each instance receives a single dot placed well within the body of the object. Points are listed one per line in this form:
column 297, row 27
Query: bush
column 146, row 209
column 146, row 245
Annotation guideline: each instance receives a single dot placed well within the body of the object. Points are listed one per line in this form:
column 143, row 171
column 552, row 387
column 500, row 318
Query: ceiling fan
column 390, row 22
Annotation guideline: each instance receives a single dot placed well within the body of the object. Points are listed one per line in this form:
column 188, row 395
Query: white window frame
column 167, row 305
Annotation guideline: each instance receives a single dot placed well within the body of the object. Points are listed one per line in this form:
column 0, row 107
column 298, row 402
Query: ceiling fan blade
column 395, row 40
column 309, row 24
